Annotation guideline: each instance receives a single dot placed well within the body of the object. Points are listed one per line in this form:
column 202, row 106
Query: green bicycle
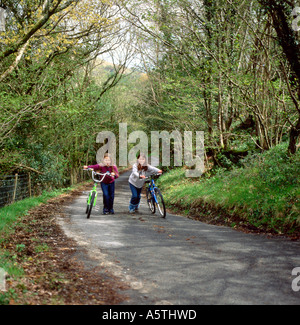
column 92, row 197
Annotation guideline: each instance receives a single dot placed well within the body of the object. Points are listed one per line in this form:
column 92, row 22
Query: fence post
column 29, row 184
column 15, row 188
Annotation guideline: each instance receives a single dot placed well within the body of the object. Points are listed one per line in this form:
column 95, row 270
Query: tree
column 43, row 46
column 50, row 96
column 280, row 12
column 219, row 60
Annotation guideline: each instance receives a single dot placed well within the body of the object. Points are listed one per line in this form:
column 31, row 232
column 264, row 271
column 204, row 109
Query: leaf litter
column 53, row 273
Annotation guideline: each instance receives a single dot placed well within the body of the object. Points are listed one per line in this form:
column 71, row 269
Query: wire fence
column 20, row 186
column 14, row 188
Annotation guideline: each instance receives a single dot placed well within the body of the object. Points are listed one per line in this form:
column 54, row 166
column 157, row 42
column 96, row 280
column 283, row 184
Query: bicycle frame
column 94, row 189
column 156, row 197
column 92, row 197
column 152, row 188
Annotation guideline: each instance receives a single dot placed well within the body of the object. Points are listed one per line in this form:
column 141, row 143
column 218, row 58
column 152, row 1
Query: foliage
column 212, row 65
column 265, row 192
column 50, row 94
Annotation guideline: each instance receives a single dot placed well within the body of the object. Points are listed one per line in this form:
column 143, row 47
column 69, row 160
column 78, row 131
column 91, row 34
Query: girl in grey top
column 140, row 170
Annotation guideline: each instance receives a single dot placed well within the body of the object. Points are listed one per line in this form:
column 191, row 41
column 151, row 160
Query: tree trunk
column 287, row 38
column 294, row 134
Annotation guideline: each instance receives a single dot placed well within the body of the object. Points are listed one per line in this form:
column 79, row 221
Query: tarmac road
column 179, row 261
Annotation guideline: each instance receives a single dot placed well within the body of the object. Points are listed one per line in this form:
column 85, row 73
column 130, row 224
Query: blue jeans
column 108, row 196
column 135, row 198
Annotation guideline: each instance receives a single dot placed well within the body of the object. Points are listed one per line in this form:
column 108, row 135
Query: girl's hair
column 139, row 166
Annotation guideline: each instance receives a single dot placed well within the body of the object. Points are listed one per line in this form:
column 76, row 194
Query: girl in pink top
column 108, row 183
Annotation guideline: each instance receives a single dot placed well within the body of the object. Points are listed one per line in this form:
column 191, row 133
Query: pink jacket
column 103, row 169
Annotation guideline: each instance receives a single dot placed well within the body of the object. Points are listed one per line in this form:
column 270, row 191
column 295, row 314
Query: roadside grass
column 264, row 193
column 10, row 218
column 39, row 259
column 10, row 213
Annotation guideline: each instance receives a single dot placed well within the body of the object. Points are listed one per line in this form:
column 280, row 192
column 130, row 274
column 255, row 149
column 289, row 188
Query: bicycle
column 91, row 199
column 154, row 196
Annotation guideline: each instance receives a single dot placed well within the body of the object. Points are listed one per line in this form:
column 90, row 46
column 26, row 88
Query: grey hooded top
column 135, row 174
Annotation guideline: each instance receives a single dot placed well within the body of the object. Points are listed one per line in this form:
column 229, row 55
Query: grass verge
column 44, row 266
column 262, row 196
column 11, row 218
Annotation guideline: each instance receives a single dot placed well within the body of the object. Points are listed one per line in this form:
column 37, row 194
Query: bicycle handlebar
column 147, row 177
column 98, row 174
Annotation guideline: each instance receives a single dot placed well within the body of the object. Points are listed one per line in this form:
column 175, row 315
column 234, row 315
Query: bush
column 264, row 192
column 51, row 164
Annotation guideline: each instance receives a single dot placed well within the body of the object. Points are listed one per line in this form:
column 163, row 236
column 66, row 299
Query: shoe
column 112, row 212
column 105, row 213
column 132, row 211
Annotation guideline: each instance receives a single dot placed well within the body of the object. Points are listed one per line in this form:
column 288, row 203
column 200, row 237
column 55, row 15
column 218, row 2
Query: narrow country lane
column 179, row 261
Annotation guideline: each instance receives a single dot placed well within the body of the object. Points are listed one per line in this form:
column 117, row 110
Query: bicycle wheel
column 160, row 203
column 90, row 206
column 150, row 201
column 87, row 204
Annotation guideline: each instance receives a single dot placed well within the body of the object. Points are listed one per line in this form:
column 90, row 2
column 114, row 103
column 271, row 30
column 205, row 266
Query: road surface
column 179, row 261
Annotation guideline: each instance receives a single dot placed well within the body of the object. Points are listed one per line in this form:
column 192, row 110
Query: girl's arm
column 115, row 169
column 153, row 169
column 95, row 167
column 135, row 171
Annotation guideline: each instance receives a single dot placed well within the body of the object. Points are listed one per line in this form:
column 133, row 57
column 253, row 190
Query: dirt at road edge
column 53, row 271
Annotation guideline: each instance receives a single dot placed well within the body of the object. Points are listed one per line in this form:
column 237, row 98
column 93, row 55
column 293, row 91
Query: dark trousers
column 108, row 196
column 135, row 197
